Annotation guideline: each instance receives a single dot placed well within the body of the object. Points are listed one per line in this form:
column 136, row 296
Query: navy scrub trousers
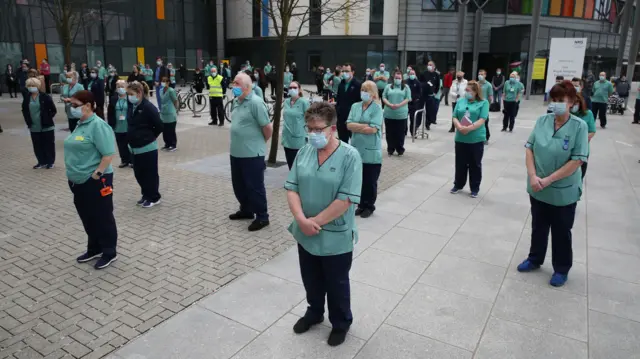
column 396, row 132
column 431, row 109
column 290, row 155
column 600, row 111
column 96, row 214
column 247, row 178
column 123, row 148
column 369, row 192
column 327, row 275
column 44, row 147
column 169, row 134
column 558, row 219
column 510, row 112
column 468, row 160
column 145, row 169
column 412, row 116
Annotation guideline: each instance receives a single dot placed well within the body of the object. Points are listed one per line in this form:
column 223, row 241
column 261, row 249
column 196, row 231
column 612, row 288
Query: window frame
column 439, row 6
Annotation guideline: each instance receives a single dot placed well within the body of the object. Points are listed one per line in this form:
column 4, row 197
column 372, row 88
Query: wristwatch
column 99, row 174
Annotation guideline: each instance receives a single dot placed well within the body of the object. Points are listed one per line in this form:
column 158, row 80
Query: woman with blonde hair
column 294, row 135
column 68, row 90
column 365, row 122
column 39, row 110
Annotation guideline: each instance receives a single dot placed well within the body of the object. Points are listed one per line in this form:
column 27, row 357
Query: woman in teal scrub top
column 323, row 186
column 288, row 77
column 88, row 152
column 117, row 119
column 68, row 91
column 555, row 150
column 294, row 136
column 38, row 111
column 469, row 116
column 365, row 122
column 580, row 110
column 396, row 97
column 169, row 115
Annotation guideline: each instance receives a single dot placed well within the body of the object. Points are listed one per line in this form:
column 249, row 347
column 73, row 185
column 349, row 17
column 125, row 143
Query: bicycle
column 189, row 99
column 314, row 96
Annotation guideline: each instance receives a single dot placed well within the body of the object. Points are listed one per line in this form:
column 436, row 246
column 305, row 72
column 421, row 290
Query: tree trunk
column 275, row 139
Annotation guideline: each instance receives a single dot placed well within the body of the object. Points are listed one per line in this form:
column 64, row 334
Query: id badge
column 565, row 145
column 122, row 118
column 106, row 190
column 512, row 90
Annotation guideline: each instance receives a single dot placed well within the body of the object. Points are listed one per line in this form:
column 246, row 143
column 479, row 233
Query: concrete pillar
column 462, row 14
column 635, row 42
column 477, row 27
column 624, row 32
column 533, row 36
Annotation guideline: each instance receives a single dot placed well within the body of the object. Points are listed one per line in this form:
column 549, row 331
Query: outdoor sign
column 566, row 57
column 539, row 66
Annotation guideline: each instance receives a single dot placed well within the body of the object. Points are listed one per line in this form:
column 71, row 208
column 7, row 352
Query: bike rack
column 424, row 119
column 193, row 104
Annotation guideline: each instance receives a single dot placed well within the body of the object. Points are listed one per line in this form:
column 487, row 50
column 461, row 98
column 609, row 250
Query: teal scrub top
column 553, row 149
column 84, row 148
column 62, row 78
column 487, row 90
column 512, row 90
column 151, row 146
column 294, row 135
column 267, row 69
column 381, row 84
column 148, row 74
column 339, row 177
column 168, row 113
column 288, row 78
column 368, row 145
column 326, row 79
column 121, row 115
column 476, row 110
column 34, row 113
column 247, row 120
column 68, row 92
column 601, row 91
column 172, row 76
column 588, row 118
column 395, row 95
column 102, row 73
column 336, row 84
column 258, row 91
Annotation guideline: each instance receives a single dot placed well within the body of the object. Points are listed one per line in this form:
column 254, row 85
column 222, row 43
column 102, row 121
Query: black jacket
column 97, row 89
column 416, row 93
column 111, row 110
column 84, row 77
column 133, row 77
column 198, row 81
column 110, row 84
column 164, row 72
column 47, row 110
column 430, row 81
column 144, row 124
column 346, row 98
column 10, row 77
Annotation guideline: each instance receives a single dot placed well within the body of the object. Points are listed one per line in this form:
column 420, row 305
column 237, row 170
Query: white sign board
column 566, row 57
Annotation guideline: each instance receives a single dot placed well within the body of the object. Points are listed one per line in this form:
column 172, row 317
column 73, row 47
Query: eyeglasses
column 293, row 88
column 315, row 130
column 76, row 105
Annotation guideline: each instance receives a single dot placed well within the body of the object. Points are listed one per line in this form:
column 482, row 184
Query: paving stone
column 615, row 297
column 410, row 243
column 387, row 270
column 612, row 337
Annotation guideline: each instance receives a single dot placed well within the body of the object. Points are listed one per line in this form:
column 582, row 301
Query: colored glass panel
column 526, row 7
column 160, row 9
column 140, row 51
column 588, row 13
column 567, row 7
column 556, row 8
column 578, row 11
column 545, row 7
column 41, row 52
column 614, row 12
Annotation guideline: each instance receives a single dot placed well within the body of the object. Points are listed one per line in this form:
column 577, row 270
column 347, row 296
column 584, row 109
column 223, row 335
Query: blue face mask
column 512, row 80
column 133, row 99
column 237, row 91
column 32, row 89
column 346, row 75
column 76, row 112
column 602, row 78
column 318, row 140
column 468, row 95
column 558, row 108
column 365, row 96
column 121, row 91
column 412, row 77
column 293, row 92
column 397, row 82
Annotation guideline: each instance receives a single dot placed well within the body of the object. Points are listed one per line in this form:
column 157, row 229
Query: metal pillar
column 635, row 42
column 462, row 14
column 624, row 31
column 477, row 27
column 533, row 36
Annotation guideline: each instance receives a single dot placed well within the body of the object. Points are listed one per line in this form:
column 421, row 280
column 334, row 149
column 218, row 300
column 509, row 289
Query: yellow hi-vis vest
column 215, row 86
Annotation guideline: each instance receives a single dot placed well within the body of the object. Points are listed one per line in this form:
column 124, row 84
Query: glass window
column 94, row 53
column 36, row 24
column 315, row 17
column 171, row 56
column 55, row 55
column 192, row 60
column 10, row 53
column 314, row 60
column 129, row 58
column 448, row 5
column 429, row 4
column 376, row 13
column 168, row 10
column 374, row 58
column 111, row 26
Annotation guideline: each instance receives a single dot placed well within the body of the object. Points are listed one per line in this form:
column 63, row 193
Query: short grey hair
column 74, row 74
column 244, row 80
column 121, row 83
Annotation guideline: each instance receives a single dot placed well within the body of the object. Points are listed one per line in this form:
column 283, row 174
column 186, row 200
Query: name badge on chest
column 565, row 144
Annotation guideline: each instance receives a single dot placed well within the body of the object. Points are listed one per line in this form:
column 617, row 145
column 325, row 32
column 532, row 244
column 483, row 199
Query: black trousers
column 169, row 134
column 395, row 134
column 47, row 83
column 272, row 84
column 517, row 110
column 327, row 276
column 636, row 113
column 432, row 105
column 13, row 87
column 486, row 127
column 453, row 107
column 216, row 109
column 73, row 122
column 264, row 91
column 44, row 147
column 290, row 154
column 96, row 214
column 145, row 169
column 369, row 192
column 412, row 117
column 380, row 97
column 559, row 219
column 123, row 147
column 247, row 178
column 343, row 133
column 600, row 111
column 327, row 94
column 510, row 112
column 469, row 161
column 584, row 168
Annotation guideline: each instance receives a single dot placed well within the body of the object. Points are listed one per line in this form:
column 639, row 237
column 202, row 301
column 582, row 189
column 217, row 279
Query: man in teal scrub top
column 381, row 78
column 250, row 130
column 602, row 89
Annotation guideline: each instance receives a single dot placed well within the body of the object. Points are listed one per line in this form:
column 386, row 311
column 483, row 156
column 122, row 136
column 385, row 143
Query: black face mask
column 459, row 78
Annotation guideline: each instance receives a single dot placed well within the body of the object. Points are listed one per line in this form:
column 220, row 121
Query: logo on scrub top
column 565, row 146
column 332, row 169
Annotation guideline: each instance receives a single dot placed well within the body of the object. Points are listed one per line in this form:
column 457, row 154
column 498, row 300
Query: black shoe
column 603, row 127
column 436, row 122
column 428, row 128
column 337, row 337
column 240, row 215
column 221, row 124
column 366, row 213
column 212, row 123
column 511, row 130
column 390, row 154
column 123, row 165
column 503, row 130
column 359, row 211
column 38, row 166
column 452, row 130
column 400, row 153
column 49, row 167
column 88, row 257
column 105, row 262
column 141, row 201
column 303, row 325
column 257, row 225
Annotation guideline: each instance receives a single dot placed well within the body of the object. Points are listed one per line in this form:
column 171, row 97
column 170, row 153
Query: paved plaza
column 434, row 275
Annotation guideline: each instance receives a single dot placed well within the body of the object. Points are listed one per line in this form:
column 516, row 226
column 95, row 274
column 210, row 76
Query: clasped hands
column 309, row 226
column 538, row 184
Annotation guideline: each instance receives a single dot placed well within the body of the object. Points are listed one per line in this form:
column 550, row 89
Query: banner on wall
column 566, row 58
column 539, row 66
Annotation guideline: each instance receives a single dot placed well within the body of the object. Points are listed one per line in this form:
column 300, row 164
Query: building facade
column 413, row 32
column 117, row 32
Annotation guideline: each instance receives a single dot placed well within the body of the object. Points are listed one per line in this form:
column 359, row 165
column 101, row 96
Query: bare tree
column 281, row 13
